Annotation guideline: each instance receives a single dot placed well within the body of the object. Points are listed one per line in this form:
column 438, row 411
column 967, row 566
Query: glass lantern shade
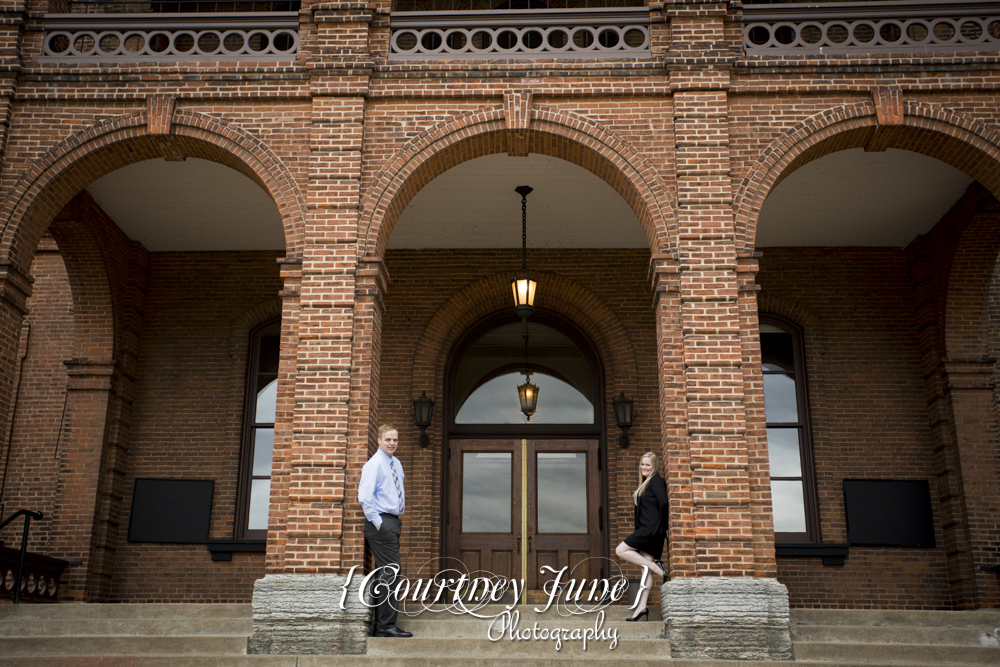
column 423, row 410
column 523, row 286
column 528, row 393
column 623, row 411
column 623, row 415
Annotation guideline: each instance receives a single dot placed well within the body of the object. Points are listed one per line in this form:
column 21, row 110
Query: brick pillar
column 673, row 417
column 969, row 386
column 297, row 604
column 15, row 288
column 281, row 468
column 962, row 419
column 370, row 289
column 79, row 528
column 721, row 605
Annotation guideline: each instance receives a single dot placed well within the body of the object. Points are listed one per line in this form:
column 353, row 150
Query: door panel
column 484, row 501
column 554, row 496
column 563, row 499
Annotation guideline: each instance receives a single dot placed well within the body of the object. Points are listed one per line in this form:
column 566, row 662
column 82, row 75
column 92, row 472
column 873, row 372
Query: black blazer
column 651, row 513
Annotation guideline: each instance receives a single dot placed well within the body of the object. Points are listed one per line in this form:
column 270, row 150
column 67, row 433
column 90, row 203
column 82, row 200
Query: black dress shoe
column 391, row 631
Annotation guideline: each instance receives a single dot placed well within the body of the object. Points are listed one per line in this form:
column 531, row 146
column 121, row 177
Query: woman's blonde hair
column 645, row 481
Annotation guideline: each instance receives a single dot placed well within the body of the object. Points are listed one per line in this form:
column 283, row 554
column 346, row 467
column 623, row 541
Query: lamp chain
column 524, row 233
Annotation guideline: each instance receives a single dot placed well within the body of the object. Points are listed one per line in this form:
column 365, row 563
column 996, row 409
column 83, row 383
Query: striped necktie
column 399, row 487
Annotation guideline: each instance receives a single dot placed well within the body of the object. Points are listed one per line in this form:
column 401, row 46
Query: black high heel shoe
column 644, row 612
column 659, row 564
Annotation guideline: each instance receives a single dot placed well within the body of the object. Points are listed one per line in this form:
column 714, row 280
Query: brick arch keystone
column 954, row 138
column 492, row 294
column 551, row 132
column 80, row 159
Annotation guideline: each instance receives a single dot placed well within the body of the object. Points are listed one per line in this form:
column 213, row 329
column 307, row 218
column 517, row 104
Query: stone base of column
column 727, row 618
column 300, row 614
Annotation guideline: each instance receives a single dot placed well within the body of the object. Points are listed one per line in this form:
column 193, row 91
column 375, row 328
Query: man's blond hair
column 385, row 428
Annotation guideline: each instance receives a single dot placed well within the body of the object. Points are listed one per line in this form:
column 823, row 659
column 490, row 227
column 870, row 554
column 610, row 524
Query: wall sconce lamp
column 623, row 415
column 423, row 408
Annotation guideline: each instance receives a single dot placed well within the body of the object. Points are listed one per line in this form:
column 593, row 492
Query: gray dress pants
column 384, row 543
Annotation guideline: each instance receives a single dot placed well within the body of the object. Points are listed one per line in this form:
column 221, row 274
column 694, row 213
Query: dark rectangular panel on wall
column 171, row 510
column 889, row 512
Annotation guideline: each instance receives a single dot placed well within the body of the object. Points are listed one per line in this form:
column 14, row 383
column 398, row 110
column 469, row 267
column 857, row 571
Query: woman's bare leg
column 636, row 557
column 640, row 558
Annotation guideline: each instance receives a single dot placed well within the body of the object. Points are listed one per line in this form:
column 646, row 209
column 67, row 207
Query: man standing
column 383, row 500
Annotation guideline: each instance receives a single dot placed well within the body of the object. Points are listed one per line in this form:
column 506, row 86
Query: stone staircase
column 892, row 637
column 207, row 635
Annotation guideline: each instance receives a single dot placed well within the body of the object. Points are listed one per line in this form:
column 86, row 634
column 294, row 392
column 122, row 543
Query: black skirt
column 651, row 544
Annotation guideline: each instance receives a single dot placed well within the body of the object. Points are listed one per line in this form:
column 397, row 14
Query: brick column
column 297, row 604
column 277, row 534
column 970, row 393
column 962, row 419
column 15, row 288
column 720, row 605
column 79, row 528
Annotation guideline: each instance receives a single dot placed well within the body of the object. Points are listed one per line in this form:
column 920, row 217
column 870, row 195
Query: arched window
column 258, row 432
column 793, row 494
column 495, row 364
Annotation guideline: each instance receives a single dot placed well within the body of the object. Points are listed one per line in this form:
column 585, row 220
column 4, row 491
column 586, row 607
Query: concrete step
column 897, row 654
column 920, row 618
column 92, row 611
column 507, row 649
column 448, row 629
column 527, row 611
column 130, row 628
column 886, row 634
column 116, row 645
column 388, row 661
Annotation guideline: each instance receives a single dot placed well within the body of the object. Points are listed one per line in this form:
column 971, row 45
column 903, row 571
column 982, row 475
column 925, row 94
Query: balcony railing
column 111, row 38
column 843, row 28
column 538, row 33
column 179, row 6
column 516, row 5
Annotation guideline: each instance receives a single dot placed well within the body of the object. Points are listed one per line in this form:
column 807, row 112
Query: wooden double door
column 517, row 505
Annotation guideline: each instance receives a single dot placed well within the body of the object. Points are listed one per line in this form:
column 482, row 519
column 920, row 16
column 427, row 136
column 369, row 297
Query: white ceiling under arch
column 191, row 205
column 854, row 198
column 850, row 198
column 473, row 205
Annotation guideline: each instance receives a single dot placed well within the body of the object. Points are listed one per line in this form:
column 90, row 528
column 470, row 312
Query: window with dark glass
column 258, row 431
column 495, row 364
column 788, row 441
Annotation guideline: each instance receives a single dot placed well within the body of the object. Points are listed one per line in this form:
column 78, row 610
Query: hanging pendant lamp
column 527, row 392
column 523, row 286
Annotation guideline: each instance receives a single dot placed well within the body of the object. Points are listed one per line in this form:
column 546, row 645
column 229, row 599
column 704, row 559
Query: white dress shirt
column 377, row 492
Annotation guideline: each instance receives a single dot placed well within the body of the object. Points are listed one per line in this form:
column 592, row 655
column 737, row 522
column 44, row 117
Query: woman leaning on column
column 644, row 547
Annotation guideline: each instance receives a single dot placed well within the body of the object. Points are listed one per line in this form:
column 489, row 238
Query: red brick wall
column 33, row 471
column 868, row 414
column 187, row 415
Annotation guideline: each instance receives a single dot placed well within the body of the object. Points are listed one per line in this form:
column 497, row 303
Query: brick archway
column 953, row 138
column 492, row 294
column 955, row 368
column 563, row 135
column 478, row 301
column 107, row 273
column 53, row 180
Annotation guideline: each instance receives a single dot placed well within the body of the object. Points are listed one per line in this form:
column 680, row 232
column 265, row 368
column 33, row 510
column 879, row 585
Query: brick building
column 239, row 236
